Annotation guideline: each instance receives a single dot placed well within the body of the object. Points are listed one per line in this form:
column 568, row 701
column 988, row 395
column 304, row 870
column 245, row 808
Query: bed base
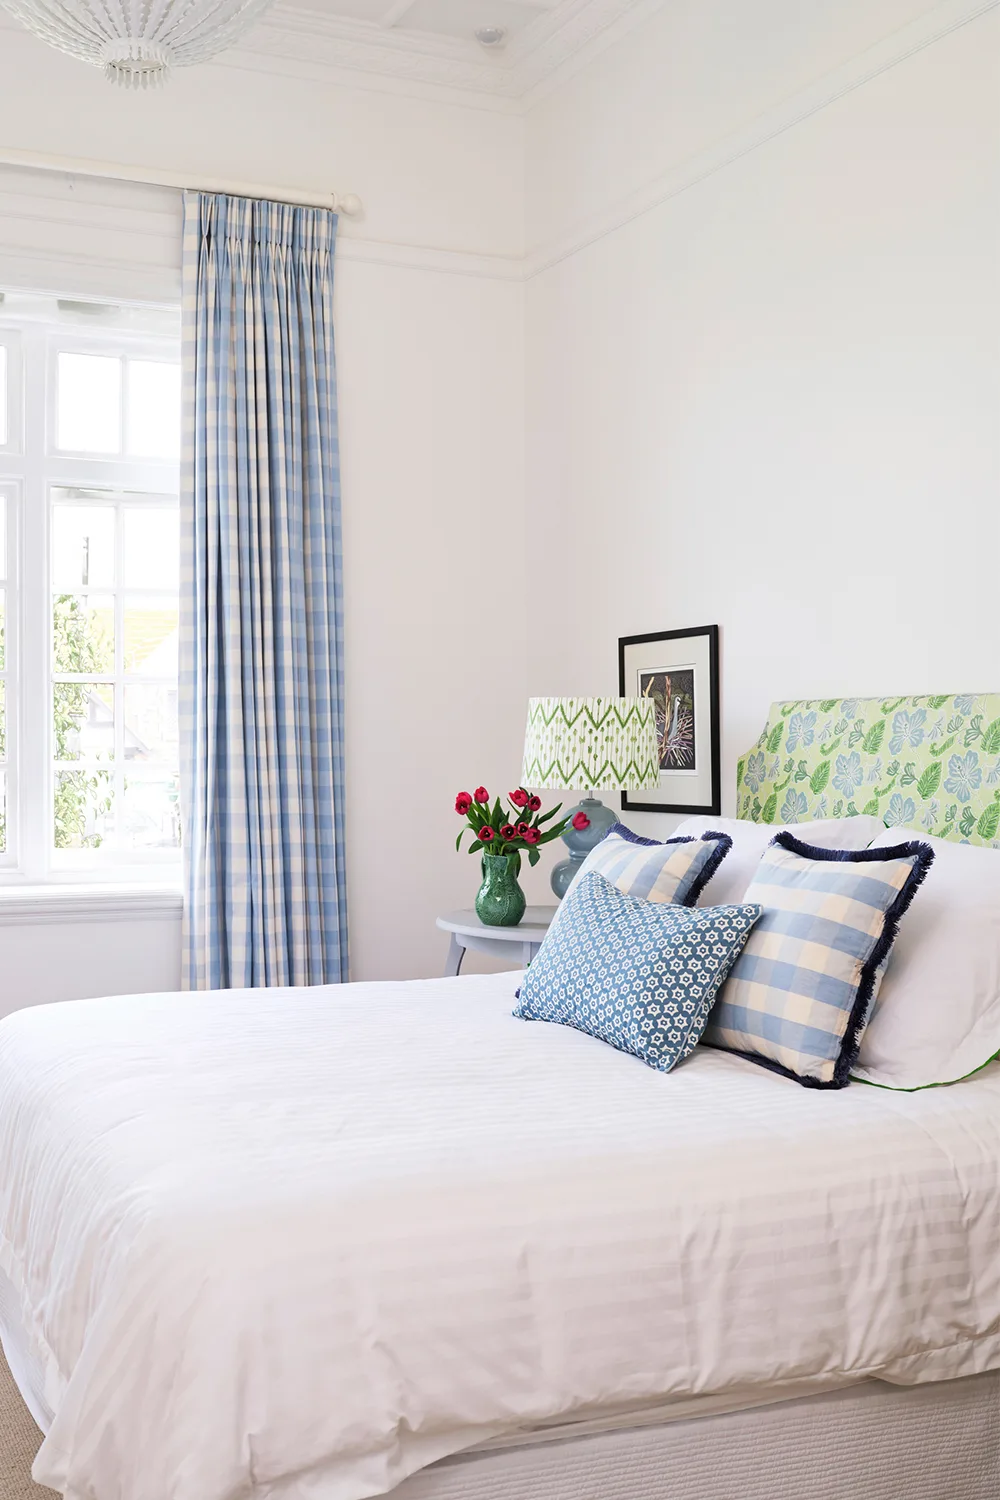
column 872, row 1441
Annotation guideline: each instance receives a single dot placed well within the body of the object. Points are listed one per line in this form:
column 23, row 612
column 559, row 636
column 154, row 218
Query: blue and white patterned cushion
column 799, row 995
column 676, row 871
column 640, row 975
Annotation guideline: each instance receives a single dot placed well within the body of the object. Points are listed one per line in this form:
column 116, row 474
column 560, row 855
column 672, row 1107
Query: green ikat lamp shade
column 589, row 744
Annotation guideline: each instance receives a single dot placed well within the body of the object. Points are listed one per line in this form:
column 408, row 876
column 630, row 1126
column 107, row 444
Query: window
column 89, row 441
column 3, row 396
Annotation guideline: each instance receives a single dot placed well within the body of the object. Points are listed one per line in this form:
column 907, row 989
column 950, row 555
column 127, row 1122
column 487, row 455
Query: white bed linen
column 309, row 1241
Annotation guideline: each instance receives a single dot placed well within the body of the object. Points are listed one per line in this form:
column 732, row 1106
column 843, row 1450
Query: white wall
column 430, row 358
column 73, row 960
column 433, row 482
column 772, row 399
column 768, row 397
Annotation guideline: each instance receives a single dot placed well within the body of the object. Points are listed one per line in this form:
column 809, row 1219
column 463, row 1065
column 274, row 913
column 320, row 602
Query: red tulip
column 519, row 798
column 486, row 834
column 522, row 829
column 462, row 803
column 531, row 835
column 508, row 832
column 534, row 803
column 580, row 821
column 481, row 794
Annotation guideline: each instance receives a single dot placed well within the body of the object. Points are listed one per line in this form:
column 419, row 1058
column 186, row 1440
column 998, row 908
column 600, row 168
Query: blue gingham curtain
column 261, row 681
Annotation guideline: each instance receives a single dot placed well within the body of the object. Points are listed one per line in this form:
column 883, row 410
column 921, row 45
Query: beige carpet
column 19, row 1440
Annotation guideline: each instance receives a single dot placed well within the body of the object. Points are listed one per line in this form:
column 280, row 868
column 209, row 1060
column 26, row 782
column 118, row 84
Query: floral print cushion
column 930, row 762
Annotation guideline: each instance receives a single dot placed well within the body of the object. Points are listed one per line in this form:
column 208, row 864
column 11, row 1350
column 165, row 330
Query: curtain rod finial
column 349, row 204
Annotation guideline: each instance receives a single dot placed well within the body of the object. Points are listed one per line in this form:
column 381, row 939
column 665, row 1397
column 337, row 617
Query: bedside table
column 518, row 944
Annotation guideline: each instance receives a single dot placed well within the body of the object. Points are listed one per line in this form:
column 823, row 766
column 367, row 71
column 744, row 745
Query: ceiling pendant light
column 137, row 42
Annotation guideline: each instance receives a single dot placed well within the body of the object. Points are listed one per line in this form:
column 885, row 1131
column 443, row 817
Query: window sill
column 26, row 905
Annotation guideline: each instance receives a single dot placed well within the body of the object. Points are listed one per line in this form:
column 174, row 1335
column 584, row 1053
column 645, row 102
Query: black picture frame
column 714, row 805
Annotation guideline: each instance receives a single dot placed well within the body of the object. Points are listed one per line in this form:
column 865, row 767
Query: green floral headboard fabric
column 930, row 762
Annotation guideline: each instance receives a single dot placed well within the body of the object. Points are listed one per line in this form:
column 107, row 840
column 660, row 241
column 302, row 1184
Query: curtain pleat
column 261, row 682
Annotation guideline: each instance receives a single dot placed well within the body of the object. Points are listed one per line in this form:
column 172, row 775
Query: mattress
column 305, row 1243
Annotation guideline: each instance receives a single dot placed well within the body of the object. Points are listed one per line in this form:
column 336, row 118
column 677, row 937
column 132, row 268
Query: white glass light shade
column 137, row 42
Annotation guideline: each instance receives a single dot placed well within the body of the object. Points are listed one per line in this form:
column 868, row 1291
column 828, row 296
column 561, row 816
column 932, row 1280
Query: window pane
column 3, row 535
column 3, row 630
column 154, row 409
column 83, row 809
column 151, row 812
column 83, row 720
column 4, row 419
column 83, row 546
column 89, row 405
column 3, row 813
column 3, row 720
column 152, row 548
column 151, row 722
column 150, row 628
column 83, row 633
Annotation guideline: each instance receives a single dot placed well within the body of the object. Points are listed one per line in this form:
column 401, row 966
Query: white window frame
column 10, row 490
column 37, row 471
column 10, row 340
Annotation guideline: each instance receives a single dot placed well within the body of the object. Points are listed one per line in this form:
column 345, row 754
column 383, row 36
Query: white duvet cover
column 299, row 1243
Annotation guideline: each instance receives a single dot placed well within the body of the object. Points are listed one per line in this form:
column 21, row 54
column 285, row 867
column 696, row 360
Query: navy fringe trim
column 637, row 838
column 923, row 857
column 723, row 844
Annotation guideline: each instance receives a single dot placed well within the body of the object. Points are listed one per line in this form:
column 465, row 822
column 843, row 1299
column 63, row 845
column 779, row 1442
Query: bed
column 331, row 1243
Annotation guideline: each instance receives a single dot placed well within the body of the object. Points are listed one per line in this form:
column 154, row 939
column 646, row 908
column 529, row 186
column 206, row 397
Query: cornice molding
column 287, row 34
column 293, row 41
column 562, row 43
column 290, row 38
column 940, row 21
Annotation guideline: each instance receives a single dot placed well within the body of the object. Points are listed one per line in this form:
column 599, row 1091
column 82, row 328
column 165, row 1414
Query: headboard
column 930, row 762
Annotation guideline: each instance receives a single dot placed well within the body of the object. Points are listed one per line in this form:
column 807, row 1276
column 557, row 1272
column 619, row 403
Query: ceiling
column 433, row 42
column 458, row 19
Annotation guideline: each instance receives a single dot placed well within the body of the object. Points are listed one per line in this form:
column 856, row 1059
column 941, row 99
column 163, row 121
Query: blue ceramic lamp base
column 580, row 843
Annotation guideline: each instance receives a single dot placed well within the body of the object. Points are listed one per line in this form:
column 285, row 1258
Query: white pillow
column 937, row 1015
column 751, row 839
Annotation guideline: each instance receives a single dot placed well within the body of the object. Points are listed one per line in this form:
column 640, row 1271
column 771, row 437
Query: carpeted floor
column 19, row 1440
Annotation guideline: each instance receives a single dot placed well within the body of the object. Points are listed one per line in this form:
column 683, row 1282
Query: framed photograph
column 679, row 670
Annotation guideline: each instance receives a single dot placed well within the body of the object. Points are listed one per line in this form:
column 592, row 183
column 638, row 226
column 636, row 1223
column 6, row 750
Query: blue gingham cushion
column 676, row 871
column 640, row 975
column 799, row 995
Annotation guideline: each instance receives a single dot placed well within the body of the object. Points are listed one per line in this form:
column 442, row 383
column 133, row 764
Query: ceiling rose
column 137, row 42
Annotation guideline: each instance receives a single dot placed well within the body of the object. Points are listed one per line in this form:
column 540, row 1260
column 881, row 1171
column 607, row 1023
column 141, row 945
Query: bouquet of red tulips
column 497, row 831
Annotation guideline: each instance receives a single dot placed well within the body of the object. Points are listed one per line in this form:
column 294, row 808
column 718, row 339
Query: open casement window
column 89, row 556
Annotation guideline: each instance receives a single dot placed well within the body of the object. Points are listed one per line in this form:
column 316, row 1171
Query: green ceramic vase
column 500, row 900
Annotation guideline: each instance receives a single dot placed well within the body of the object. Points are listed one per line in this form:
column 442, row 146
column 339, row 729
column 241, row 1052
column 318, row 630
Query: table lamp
column 589, row 744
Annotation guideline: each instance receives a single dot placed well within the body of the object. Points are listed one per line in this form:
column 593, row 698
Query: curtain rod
column 343, row 203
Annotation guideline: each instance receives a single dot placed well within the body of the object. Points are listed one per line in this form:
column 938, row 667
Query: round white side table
column 519, row 943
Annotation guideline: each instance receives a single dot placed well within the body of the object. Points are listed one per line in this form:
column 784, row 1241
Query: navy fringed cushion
column 799, row 996
column 677, row 870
